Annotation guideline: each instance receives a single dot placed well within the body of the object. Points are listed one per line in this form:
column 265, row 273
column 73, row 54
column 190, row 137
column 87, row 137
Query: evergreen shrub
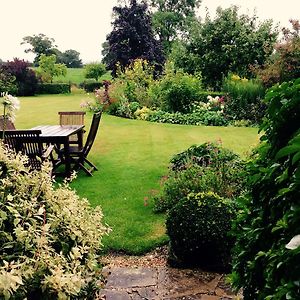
column 198, row 227
column 90, row 86
column 53, row 88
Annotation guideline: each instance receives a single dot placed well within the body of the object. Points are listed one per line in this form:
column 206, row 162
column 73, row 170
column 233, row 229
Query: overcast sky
column 83, row 25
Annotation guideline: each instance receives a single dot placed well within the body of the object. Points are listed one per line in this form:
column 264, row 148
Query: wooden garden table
column 59, row 135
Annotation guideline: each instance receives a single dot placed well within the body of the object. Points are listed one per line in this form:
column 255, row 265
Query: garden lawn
column 76, row 76
column 132, row 157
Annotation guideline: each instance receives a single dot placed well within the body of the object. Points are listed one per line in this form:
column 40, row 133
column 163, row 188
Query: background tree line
column 159, row 31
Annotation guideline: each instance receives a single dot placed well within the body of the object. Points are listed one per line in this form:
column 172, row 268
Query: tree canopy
column 70, row 58
column 94, row 70
column 228, row 43
column 41, row 44
column 171, row 18
column 132, row 37
column 48, row 68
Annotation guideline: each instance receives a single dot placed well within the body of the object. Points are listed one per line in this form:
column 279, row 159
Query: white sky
column 83, row 25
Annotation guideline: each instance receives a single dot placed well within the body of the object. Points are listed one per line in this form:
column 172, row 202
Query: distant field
column 76, row 75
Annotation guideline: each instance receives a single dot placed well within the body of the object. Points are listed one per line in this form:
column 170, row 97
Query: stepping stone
column 122, row 278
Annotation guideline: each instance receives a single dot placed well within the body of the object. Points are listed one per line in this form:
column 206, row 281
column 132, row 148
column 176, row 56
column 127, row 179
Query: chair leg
column 90, row 163
column 80, row 164
column 87, row 171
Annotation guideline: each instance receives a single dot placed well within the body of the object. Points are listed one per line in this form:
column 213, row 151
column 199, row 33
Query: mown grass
column 76, row 76
column 132, row 157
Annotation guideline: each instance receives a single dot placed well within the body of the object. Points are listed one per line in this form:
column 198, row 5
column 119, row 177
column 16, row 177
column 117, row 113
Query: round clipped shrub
column 50, row 239
column 198, row 227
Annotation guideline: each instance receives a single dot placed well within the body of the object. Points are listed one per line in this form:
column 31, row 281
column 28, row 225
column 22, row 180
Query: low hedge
column 90, row 86
column 54, row 88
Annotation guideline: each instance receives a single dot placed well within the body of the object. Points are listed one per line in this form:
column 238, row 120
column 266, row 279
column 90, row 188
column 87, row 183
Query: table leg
column 67, row 158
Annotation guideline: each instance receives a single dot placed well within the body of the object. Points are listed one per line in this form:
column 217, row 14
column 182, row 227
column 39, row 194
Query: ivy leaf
column 287, row 150
column 296, row 157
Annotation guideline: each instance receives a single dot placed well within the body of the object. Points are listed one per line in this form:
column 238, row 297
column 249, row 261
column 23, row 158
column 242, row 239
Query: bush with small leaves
column 212, row 154
column 198, row 227
column 207, row 167
column 50, row 238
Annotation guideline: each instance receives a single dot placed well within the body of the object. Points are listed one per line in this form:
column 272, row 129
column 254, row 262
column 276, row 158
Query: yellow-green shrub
column 49, row 237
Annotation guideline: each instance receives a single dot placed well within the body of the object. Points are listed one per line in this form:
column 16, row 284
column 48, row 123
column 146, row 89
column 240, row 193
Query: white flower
column 294, row 243
column 11, row 104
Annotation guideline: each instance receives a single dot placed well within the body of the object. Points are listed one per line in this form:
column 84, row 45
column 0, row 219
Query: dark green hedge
column 90, row 86
column 53, row 88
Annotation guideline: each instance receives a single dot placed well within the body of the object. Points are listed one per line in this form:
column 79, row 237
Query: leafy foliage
column 40, row 44
column 17, row 72
column 70, row 58
column 176, row 91
column 90, row 86
column 7, row 83
column 207, row 167
column 244, row 99
column 228, row 43
column 132, row 37
column 198, row 227
column 284, row 65
column 171, row 19
column 94, row 70
column 200, row 117
column 54, row 88
column 50, row 238
column 48, row 68
column 270, row 218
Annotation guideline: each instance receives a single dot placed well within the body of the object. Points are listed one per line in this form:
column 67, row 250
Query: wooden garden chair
column 28, row 142
column 79, row 154
column 73, row 118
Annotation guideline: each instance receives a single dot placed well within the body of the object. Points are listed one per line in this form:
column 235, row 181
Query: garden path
column 149, row 277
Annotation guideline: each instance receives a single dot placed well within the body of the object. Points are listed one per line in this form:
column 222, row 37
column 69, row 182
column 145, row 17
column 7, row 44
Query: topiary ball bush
column 198, row 227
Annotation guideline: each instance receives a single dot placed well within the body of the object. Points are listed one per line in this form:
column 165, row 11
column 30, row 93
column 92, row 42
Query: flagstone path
column 150, row 277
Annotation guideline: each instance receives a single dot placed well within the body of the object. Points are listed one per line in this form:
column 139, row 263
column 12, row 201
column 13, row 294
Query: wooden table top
column 58, row 130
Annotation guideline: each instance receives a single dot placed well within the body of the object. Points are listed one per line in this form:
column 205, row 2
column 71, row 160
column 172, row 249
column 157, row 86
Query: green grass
column 76, row 76
column 132, row 156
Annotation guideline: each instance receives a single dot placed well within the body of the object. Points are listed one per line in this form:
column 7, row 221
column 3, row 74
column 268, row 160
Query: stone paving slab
column 163, row 283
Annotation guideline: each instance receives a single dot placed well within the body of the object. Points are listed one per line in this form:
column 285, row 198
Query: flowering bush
column 50, row 238
column 10, row 105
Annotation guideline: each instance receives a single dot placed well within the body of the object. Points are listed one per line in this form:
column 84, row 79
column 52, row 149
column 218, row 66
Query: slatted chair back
column 72, row 118
column 27, row 142
column 92, row 133
column 6, row 123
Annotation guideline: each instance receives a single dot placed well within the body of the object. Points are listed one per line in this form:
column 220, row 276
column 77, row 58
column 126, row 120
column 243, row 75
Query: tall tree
column 94, row 70
column 18, row 73
column 70, row 58
column 132, row 37
column 39, row 44
column 171, row 19
column 228, row 43
column 284, row 64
